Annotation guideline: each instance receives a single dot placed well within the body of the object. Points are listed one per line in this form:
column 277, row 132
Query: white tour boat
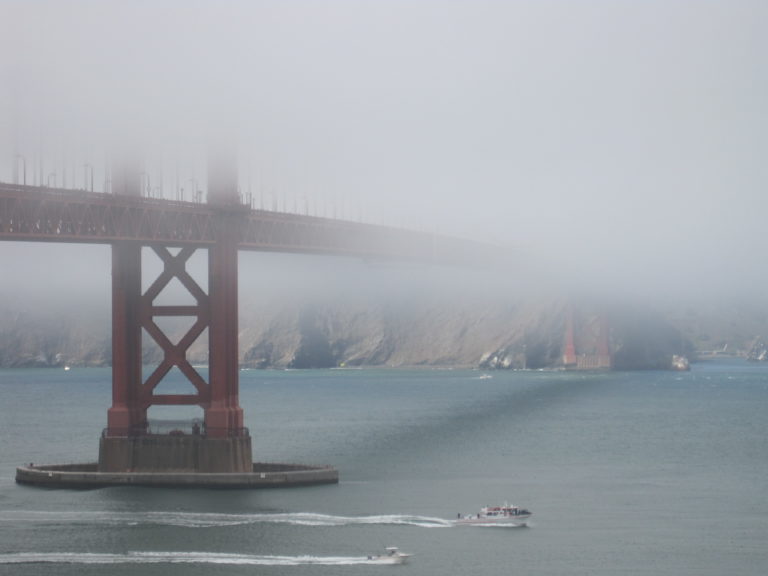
column 506, row 515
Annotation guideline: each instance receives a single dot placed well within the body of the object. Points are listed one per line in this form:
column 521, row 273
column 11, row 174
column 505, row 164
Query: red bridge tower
column 222, row 444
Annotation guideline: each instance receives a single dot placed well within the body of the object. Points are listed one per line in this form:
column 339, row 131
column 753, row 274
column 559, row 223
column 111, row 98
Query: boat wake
column 213, row 520
column 185, row 558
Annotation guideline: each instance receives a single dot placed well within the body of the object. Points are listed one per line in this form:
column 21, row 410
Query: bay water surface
column 656, row 473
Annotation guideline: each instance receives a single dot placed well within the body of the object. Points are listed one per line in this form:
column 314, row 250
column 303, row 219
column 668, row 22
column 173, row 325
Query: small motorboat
column 506, row 515
column 391, row 556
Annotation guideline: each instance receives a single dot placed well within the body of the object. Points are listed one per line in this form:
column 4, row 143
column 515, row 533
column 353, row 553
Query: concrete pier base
column 166, row 453
column 261, row 475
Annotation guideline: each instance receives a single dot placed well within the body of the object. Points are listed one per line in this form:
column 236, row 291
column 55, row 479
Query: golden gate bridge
column 174, row 229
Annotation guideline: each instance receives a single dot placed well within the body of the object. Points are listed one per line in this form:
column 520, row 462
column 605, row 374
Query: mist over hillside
column 309, row 311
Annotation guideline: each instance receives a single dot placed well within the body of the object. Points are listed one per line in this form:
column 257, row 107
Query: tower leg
column 126, row 416
column 223, row 417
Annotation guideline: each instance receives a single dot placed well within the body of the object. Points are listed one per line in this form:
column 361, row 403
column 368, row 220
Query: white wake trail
column 212, row 520
column 183, row 558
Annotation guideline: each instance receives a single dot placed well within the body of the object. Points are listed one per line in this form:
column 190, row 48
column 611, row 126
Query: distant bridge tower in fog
column 587, row 342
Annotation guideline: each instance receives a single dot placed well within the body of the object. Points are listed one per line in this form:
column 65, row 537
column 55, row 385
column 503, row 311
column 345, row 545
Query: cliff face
column 426, row 327
column 403, row 334
column 29, row 338
column 407, row 332
column 486, row 333
column 307, row 311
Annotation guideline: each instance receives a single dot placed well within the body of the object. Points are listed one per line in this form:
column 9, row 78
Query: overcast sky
column 623, row 140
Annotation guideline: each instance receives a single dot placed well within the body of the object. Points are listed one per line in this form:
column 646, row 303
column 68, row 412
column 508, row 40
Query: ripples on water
column 638, row 473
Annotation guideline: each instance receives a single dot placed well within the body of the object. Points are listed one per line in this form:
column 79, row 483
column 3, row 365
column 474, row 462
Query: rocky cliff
column 523, row 333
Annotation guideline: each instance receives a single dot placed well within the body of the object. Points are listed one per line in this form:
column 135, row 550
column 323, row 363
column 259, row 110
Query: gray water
column 626, row 473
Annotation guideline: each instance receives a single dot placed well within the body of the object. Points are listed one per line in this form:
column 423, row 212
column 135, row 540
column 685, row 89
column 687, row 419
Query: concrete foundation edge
column 264, row 475
column 165, row 453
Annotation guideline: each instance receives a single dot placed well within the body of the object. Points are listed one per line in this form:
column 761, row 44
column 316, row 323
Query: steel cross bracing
column 29, row 213
column 174, row 354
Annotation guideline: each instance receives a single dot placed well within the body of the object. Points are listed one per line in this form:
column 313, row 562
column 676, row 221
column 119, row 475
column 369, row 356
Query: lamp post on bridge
column 24, row 165
column 193, row 188
column 148, row 189
column 86, row 168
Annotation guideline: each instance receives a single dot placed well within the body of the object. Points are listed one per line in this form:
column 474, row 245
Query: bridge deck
column 40, row 214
